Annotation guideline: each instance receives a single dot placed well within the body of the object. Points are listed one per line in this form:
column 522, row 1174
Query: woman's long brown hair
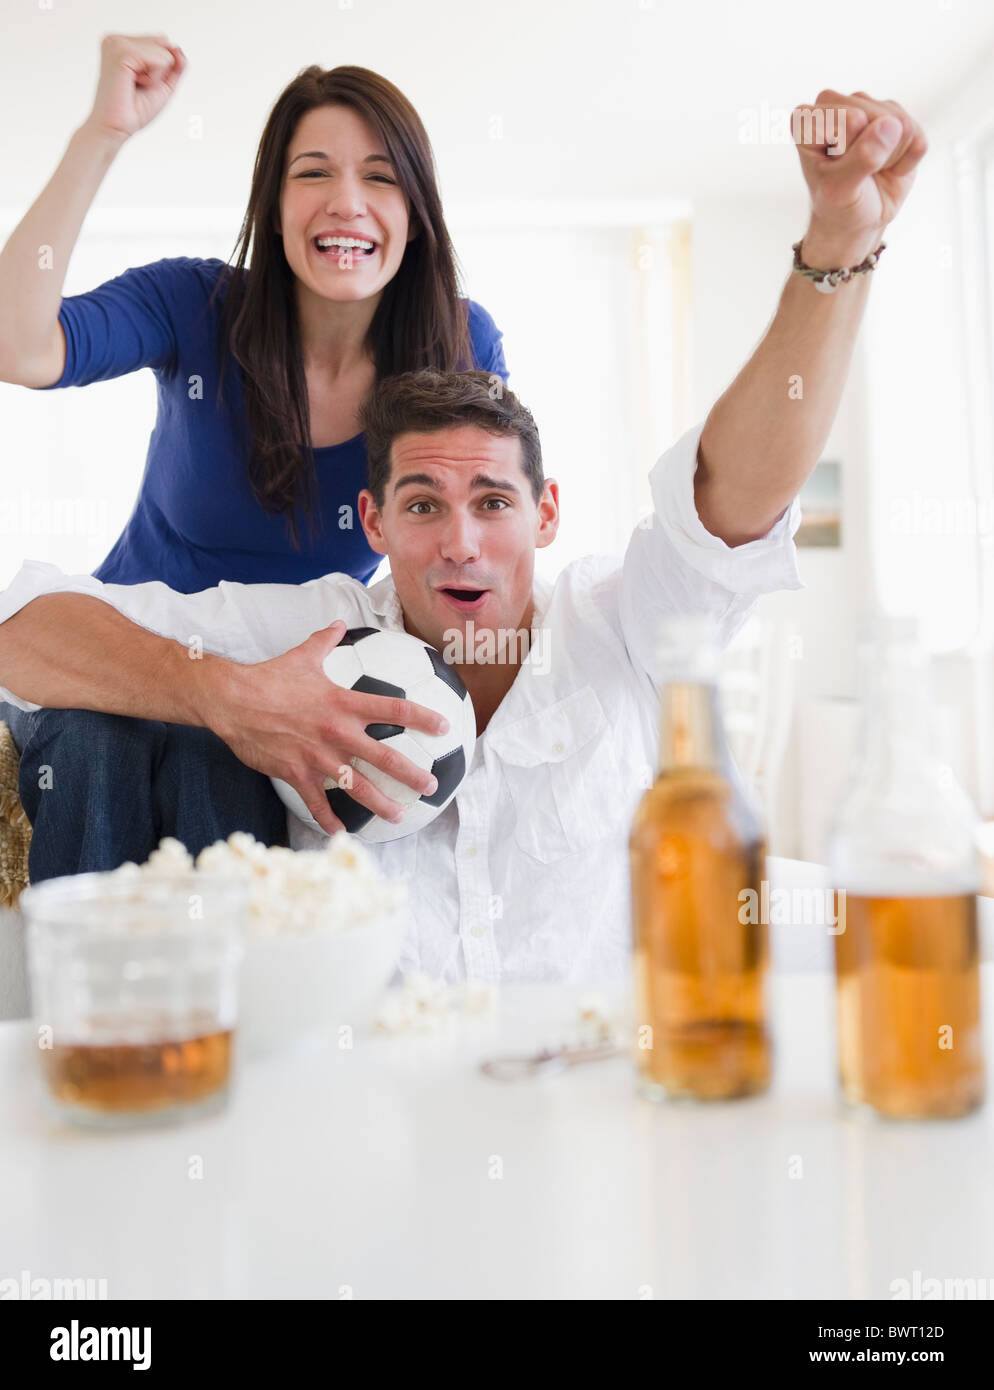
column 420, row 320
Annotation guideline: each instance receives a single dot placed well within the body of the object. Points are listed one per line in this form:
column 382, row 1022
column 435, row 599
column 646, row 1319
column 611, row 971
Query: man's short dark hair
column 428, row 400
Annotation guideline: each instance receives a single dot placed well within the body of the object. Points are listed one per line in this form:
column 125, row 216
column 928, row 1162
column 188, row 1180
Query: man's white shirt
column 524, row 875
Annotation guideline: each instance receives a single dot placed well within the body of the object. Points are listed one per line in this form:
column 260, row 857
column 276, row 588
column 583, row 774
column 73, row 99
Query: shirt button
column 469, row 852
column 477, row 931
column 559, row 748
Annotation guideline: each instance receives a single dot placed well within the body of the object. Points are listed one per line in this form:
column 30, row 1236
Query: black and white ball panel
column 395, row 664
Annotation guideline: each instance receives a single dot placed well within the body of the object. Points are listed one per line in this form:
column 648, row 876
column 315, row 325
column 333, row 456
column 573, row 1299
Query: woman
column 256, row 461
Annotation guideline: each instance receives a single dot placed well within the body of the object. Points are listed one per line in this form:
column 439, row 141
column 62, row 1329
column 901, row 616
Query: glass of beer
column 134, row 993
column 903, row 851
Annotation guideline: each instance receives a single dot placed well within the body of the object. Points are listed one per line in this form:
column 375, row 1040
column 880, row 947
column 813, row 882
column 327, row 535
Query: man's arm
column 760, row 443
column 764, row 436
column 73, row 651
column 244, row 660
column 69, row 641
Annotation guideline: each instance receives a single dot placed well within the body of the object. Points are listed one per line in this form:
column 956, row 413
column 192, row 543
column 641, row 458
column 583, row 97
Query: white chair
column 757, row 692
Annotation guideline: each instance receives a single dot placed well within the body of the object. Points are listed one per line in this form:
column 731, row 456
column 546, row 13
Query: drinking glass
column 134, row 986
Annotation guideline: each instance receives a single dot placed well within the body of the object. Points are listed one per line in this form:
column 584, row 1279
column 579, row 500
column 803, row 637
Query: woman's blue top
column 196, row 520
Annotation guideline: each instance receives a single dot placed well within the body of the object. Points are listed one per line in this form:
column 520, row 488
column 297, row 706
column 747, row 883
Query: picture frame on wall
column 821, row 506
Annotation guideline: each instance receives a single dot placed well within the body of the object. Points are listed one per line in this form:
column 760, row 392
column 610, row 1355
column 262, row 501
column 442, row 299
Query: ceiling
column 540, row 99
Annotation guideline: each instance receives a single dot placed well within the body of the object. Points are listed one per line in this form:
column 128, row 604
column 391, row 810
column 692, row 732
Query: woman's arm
column 138, row 74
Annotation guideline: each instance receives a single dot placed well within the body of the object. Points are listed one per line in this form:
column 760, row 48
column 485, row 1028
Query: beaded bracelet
column 829, row 280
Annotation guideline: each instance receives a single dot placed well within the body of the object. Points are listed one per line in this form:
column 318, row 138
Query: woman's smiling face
column 338, row 179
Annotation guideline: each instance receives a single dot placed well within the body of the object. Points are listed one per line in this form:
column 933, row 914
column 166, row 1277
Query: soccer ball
column 377, row 662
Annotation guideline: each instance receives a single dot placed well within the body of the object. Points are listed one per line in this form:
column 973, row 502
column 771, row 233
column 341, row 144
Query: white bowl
column 297, row 988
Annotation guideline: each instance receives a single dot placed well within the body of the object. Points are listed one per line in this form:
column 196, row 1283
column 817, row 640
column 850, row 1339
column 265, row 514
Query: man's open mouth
column 464, row 598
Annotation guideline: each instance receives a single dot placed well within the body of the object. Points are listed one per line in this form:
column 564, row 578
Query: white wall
column 930, row 438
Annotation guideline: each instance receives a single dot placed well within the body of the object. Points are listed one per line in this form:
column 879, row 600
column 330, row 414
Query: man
column 524, row 876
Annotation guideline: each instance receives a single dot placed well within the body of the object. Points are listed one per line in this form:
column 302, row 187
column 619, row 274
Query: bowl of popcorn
column 322, row 939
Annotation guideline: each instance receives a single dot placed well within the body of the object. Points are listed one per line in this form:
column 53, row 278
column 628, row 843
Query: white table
column 397, row 1170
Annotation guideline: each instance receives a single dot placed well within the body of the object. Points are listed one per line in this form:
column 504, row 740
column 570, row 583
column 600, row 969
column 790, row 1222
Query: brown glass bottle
column 696, row 847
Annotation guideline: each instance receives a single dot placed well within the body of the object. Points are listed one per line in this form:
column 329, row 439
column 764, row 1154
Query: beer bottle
column 903, row 851
column 697, row 848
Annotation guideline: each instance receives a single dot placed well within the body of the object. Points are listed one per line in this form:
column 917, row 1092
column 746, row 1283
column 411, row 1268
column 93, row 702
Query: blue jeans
column 100, row 789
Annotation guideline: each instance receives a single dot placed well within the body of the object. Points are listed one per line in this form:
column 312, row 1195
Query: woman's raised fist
column 138, row 75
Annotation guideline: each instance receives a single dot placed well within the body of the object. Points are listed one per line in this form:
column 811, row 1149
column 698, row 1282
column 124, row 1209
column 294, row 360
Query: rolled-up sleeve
column 675, row 565
column 124, row 324
column 206, row 617
column 242, row 622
